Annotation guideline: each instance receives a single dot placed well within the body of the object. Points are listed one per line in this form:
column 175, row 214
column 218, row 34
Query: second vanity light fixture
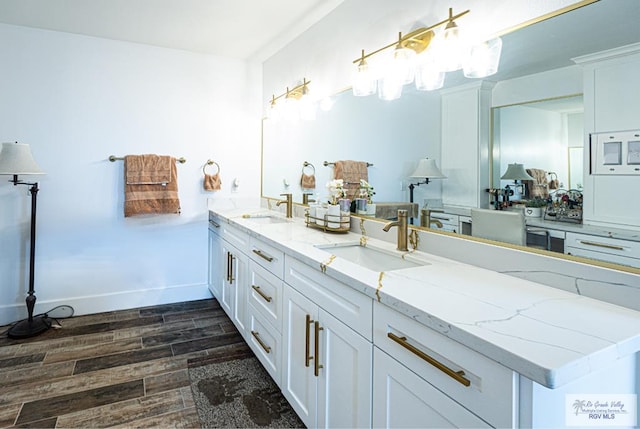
column 294, row 103
column 425, row 57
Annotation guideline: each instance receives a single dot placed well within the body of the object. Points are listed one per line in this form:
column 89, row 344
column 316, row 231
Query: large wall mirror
column 393, row 136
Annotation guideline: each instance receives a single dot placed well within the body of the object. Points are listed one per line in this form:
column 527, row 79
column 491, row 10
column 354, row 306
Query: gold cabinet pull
column 265, row 347
column 456, row 375
column 262, row 255
column 228, row 266
column 317, row 366
column 307, row 357
column 231, row 278
column 606, row 246
column 262, row 294
column 214, row 224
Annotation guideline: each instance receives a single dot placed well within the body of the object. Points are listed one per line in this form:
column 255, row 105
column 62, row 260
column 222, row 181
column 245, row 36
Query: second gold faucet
column 401, row 223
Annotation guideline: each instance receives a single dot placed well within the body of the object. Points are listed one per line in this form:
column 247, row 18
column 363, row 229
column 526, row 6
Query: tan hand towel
column 142, row 199
column 351, row 172
column 308, row 181
column 212, row 182
column 148, row 169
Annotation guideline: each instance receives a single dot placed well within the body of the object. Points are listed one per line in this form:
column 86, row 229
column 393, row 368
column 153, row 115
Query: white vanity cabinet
column 327, row 362
column 423, row 379
column 228, row 270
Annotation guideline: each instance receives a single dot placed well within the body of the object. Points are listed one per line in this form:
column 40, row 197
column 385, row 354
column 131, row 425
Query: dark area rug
column 231, row 389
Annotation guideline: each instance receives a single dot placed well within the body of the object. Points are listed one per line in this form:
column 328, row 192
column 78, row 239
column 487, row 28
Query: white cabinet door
column 344, row 382
column 404, row 400
column 233, row 297
column 298, row 380
column 216, row 268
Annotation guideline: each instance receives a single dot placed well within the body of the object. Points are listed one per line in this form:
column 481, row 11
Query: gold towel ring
column 308, row 164
column 210, row 162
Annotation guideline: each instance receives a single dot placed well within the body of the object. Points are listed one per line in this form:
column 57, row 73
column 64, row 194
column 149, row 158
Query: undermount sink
column 373, row 258
column 265, row 219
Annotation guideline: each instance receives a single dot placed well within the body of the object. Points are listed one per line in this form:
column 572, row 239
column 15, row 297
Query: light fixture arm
column 411, row 188
column 417, row 34
column 297, row 92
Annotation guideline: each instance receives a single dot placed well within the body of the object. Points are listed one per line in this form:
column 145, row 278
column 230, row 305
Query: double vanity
column 358, row 334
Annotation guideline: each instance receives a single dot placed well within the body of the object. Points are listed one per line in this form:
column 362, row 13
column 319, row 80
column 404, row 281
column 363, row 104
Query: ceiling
column 241, row 29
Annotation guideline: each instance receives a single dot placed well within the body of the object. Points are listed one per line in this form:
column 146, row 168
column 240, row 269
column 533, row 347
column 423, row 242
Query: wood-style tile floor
column 118, row 369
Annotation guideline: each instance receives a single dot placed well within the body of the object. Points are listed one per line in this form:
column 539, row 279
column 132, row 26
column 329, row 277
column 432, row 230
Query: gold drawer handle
column 262, row 294
column 265, row 347
column 262, row 255
column 317, row 366
column 214, row 224
column 456, row 375
column 606, row 246
column 307, row 358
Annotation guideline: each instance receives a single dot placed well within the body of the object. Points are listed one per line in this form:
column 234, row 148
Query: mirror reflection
column 543, row 133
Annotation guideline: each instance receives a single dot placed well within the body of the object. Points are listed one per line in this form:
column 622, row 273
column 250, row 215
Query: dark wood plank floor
column 118, row 369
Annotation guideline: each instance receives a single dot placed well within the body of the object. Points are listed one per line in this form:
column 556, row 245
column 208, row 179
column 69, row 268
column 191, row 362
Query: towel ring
column 308, row 164
column 210, row 162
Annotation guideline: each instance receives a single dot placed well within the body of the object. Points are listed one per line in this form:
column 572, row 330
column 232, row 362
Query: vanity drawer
column 234, row 236
column 348, row 305
column 267, row 256
column 265, row 294
column 487, row 388
column 603, row 248
column 266, row 343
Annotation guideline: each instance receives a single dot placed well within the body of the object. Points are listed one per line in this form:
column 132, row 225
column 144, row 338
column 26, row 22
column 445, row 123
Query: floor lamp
column 427, row 169
column 16, row 159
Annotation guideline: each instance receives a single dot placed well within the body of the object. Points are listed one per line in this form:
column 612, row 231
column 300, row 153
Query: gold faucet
column 425, row 218
column 401, row 223
column 288, row 202
column 306, row 200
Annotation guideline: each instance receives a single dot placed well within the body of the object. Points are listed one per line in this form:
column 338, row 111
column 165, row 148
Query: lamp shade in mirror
column 516, row 171
column 16, row 158
column 427, row 169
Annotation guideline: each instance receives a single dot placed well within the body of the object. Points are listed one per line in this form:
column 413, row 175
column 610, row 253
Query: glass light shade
column 516, row 171
column 363, row 81
column 389, row 88
column 16, row 158
column 484, row 59
column 429, row 77
column 307, row 108
column 403, row 66
column 451, row 48
column 427, row 169
column 290, row 109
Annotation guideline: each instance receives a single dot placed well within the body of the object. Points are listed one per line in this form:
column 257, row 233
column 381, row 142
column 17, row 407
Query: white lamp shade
column 516, row 171
column 15, row 158
column 427, row 169
column 363, row 80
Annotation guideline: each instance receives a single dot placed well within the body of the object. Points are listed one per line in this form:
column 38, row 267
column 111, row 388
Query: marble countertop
column 548, row 335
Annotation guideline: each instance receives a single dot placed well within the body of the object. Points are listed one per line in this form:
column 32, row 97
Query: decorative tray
column 329, row 223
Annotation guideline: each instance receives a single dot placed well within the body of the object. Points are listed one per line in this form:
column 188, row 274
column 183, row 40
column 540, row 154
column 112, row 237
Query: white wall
column 76, row 100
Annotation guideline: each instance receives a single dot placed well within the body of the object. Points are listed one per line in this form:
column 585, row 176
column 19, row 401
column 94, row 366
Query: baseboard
column 100, row 303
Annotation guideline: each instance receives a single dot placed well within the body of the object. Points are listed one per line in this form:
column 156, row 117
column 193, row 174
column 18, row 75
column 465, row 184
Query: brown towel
column 147, row 169
column 308, row 181
column 553, row 184
column 152, row 198
column 212, row 182
column 351, row 172
column 538, row 186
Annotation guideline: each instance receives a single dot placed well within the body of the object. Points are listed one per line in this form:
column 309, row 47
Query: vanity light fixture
column 427, row 169
column 293, row 103
column 424, row 57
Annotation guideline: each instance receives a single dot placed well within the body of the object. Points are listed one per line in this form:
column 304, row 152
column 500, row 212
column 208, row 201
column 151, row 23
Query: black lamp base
column 24, row 329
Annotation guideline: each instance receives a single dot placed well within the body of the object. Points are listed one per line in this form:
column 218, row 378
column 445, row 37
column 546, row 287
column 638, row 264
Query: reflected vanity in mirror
column 395, row 135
